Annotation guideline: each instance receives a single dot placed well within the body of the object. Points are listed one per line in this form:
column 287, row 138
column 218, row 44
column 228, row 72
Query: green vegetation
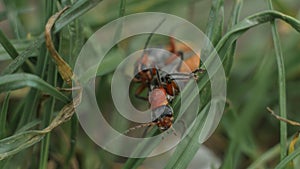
column 257, row 41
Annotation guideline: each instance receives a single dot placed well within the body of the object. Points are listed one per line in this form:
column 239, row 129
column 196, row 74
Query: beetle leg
column 139, row 90
column 186, row 76
column 172, row 45
column 68, row 89
column 171, row 49
column 136, row 80
column 180, row 53
column 199, row 70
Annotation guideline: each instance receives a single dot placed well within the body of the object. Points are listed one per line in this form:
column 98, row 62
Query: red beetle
column 162, row 87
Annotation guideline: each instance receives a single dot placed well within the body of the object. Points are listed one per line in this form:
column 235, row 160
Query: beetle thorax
column 157, row 98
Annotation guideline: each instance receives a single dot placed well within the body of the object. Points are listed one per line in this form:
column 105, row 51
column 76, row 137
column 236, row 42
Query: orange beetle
column 162, row 111
column 163, row 88
column 146, row 75
column 179, row 50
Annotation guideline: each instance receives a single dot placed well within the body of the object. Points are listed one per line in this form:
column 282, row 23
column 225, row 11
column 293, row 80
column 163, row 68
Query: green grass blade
column 20, row 80
column 119, row 29
column 52, row 76
column 3, row 116
column 8, row 46
column 122, row 8
column 235, row 14
column 267, row 156
column 12, row 11
column 49, row 106
column 31, row 125
column 11, row 50
column 19, row 45
column 215, row 23
column 76, row 10
column 144, row 147
column 283, row 163
column 188, row 147
column 16, row 143
column 18, row 61
column 233, row 21
column 250, row 22
column 44, row 154
column 282, row 86
column 73, row 140
column 214, row 26
column 76, row 41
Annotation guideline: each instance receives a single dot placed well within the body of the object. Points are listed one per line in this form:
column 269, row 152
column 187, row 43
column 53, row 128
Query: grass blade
column 16, row 143
column 283, row 163
column 3, row 116
column 19, row 45
column 18, row 61
column 271, row 153
column 282, row 86
column 8, row 46
column 14, row 19
column 188, row 147
column 214, row 26
column 233, row 21
column 76, row 41
column 20, row 80
column 52, row 76
column 215, row 23
column 77, row 9
column 250, row 22
column 122, row 8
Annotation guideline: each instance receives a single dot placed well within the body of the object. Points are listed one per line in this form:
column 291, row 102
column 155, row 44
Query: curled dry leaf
column 63, row 68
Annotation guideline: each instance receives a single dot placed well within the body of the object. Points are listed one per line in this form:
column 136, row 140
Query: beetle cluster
column 163, row 87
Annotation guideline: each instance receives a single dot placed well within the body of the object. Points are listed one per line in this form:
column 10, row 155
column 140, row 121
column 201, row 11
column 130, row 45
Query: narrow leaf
column 3, row 116
column 8, row 46
column 233, row 21
column 249, row 22
column 282, row 85
column 77, row 9
column 20, row 80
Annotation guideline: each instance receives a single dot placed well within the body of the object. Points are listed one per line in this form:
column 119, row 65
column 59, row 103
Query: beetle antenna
column 158, row 77
column 173, row 130
column 139, row 126
column 131, row 129
column 150, row 36
column 186, row 76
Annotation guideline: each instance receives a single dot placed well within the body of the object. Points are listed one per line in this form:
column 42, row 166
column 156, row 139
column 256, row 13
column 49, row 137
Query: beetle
column 146, row 71
column 163, row 87
column 159, row 105
column 162, row 90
